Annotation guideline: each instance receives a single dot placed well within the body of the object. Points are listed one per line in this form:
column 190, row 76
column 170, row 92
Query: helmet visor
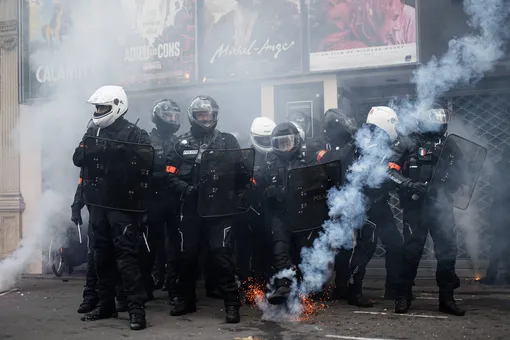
column 284, row 143
column 169, row 117
column 101, row 110
column 262, row 141
column 205, row 118
column 440, row 116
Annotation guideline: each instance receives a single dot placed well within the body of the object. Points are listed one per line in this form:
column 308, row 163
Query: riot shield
column 116, row 174
column 225, row 182
column 307, row 193
column 457, row 171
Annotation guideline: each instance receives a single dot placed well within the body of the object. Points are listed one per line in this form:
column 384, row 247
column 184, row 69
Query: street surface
column 45, row 309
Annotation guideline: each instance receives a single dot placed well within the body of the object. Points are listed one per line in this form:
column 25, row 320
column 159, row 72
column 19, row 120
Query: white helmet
column 384, row 118
column 260, row 134
column 111, row 103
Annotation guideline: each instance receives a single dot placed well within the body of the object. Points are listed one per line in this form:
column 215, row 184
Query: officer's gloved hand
column 76, row 216
column 277, row 192
column 418, row 187
column 190, row 190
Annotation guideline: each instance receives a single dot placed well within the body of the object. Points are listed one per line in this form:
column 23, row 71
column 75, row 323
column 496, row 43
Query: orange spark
column 254, row 291
column 310, row 308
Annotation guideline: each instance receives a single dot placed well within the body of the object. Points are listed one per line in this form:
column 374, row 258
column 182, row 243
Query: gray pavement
column 44, row 309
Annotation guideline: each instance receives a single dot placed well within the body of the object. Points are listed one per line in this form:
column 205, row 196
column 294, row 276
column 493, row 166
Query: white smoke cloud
column 58, row 123
column 465, row 62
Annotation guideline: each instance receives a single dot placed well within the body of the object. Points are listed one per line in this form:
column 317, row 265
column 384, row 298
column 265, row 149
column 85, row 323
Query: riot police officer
column 411, row 167
column 380, row 222
column 162, row 214
column 339, row 130
column 117, row 233
column 183, row 168
column 258, row 234
column 286, row 142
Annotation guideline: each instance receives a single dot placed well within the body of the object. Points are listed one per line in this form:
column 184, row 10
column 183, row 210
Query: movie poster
column 140, row 44
column 159, row 48
column 350, row 34
column 250, row 39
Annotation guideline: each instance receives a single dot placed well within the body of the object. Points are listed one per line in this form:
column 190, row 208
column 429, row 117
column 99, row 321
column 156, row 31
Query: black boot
column 182, row 307
column 281, row 294
column 87, row 306
column 232, row 314
column 448, row 305
column 402, row 305
column 137, row 320
column 121, row 306
column 356, row 298
column 340, row 292
column 99, row 313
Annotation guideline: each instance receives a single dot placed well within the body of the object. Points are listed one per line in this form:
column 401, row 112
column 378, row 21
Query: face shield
column 205, row 117
column 102, row 110
column 169, row 117
column 284, row 143
column 262, row 141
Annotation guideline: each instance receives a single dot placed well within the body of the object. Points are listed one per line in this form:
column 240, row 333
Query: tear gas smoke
column 58, row 124
column 465, row 62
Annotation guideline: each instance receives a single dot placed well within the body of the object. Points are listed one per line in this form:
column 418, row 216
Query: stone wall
column 11, row 201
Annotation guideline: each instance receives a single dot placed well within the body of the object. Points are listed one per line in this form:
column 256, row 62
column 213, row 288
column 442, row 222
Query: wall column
column 11, row 201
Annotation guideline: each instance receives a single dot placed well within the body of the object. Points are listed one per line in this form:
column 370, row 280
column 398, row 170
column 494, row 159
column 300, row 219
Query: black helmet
column 302, row 119
column 338, row 127
column 286, row 140
column 434, row 121
column 166, row 114
column 203, row 113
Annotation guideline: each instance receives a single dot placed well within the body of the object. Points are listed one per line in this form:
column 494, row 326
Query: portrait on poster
column 250, row 38
column 159, row 46
column 350, row 34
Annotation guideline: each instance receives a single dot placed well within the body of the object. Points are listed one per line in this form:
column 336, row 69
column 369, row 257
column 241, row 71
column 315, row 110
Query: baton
column 146, row 242
column 79, row 232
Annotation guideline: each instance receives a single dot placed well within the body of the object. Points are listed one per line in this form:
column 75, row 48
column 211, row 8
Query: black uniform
column 251, row 232
column 161, row 216
column 339, row 130
column 411, row 166
column 90, row 298
column 117, row 237
column 183, row 170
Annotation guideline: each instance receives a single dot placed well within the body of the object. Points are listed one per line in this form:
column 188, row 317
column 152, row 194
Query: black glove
column 190, row 190
column 418, row 187
column 277, row 192
column 76, row 216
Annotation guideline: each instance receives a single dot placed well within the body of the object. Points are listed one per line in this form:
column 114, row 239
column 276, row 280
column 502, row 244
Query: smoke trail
column 58, row 124
column 465, row 62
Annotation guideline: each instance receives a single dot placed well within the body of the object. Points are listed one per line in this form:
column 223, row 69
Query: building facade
column 244, row 89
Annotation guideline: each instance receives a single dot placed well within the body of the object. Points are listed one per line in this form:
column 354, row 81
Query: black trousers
column 89, row 291
column 218, row 233
column 116, row 247
column 384, row 227
column 287, row 245
column 420, row 218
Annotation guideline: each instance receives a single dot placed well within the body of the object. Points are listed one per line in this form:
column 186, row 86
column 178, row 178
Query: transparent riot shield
column 307, row 194
column 116, row 174
column 225, row 182
column 457, row 171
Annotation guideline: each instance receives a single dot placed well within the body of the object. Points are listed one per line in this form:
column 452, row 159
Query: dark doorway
column 306, row 98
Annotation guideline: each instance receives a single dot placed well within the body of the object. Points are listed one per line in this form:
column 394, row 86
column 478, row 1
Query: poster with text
column 159, row 46
column 349, row 34
column 140, row 44
column 250, row 39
